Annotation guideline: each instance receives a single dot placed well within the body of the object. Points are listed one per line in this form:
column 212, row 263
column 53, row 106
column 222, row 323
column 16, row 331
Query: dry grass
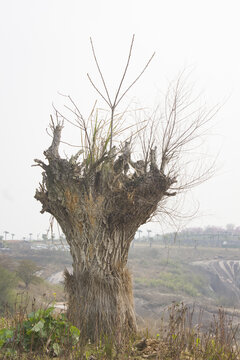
column 177, row 339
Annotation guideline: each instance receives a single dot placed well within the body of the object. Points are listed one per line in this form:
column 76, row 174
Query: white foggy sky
column 45, row 50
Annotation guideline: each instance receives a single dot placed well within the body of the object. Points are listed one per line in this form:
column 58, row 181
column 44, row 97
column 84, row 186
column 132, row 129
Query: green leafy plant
column 41, row 331
column 5, row 336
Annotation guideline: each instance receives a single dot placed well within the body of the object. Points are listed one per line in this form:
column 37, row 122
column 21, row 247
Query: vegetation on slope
column 43, row 335
column 176, row 277
column 178, row 335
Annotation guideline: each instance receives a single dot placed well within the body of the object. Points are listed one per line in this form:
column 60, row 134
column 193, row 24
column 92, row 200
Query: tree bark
column 99, row 206
column 100, row 299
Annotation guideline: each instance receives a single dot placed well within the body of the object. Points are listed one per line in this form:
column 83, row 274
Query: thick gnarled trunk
column 100, row 298
column 101, row 304
column 99, row 206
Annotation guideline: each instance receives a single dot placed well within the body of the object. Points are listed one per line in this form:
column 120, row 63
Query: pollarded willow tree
column 101, row 196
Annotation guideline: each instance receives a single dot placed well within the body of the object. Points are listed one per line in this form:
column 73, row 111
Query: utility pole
column 149, row 239
column 139, row 233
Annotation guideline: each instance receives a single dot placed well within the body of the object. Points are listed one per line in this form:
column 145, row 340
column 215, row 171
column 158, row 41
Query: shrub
column 40, row 332
column 26, row 271
column 7, row 283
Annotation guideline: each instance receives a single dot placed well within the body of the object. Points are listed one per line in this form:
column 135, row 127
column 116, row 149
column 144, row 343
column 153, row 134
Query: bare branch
column 137, row 78
column 65, row 118
column 125, row 71
column 107, row 99
column 100, row 72
column 40, row 163
column 99, row 92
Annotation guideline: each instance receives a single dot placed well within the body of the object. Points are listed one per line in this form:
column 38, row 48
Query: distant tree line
column 210, row 236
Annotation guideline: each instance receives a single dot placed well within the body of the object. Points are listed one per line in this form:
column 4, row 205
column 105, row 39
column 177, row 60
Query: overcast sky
column 45, row 49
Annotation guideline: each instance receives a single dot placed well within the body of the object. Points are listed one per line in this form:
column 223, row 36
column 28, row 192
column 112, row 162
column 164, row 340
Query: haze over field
column 45, row 49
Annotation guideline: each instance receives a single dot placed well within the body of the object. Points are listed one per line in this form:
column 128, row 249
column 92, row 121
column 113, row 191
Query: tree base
column 101, row 305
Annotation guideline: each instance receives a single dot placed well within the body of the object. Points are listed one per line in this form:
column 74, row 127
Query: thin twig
column 134, row 82
column 113, row 105
column 99, row 92
column 100, row 72
column 125, row 70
